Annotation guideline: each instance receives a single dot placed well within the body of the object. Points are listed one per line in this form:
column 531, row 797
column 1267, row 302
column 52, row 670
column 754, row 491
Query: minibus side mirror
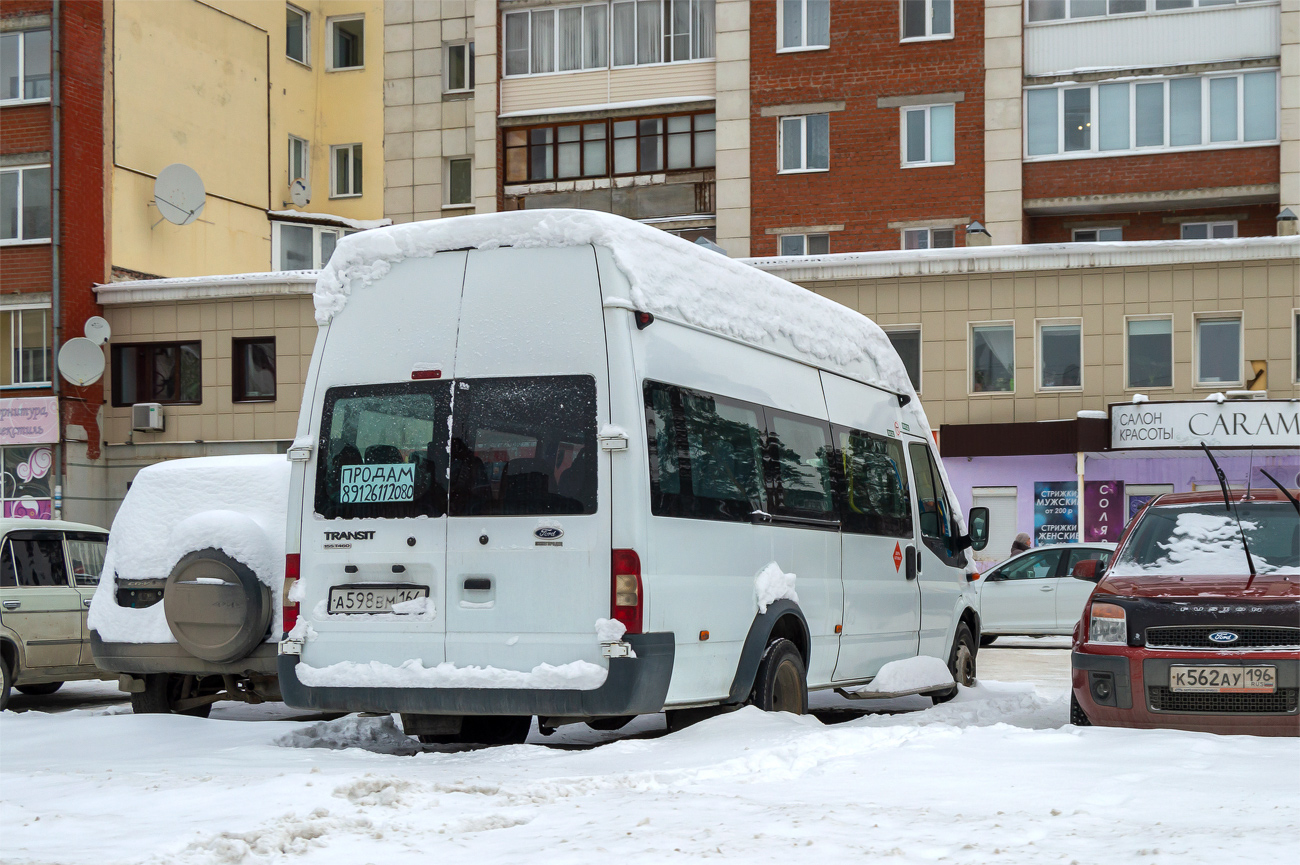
column 979, row 527
column 1089, row 569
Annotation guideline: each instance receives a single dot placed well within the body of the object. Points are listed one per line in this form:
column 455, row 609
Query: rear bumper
column 143, row 658
column 634, row 686
column 1137, row 676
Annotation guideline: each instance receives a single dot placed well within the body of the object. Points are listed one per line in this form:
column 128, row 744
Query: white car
column 1033, row 593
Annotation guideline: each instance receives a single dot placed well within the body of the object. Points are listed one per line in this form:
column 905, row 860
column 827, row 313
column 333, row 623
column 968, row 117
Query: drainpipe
column 56, row 185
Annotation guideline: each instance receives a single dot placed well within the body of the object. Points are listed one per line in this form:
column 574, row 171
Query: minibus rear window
column 524, row 446
column 875, row 496
column 384, row 451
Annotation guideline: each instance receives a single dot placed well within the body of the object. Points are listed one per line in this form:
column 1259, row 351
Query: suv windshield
column 1203, row 539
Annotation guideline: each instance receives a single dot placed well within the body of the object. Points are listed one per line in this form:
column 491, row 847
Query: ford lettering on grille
column 1223, row 637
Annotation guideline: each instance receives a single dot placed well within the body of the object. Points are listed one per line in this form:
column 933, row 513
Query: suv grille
column 1198, row 637
column 1280, row 702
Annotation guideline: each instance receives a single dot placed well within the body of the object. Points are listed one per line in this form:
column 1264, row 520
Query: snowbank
column 237, row 504
column 380, row 735
column 908, row 674
column 576, row 675
column 773, row 584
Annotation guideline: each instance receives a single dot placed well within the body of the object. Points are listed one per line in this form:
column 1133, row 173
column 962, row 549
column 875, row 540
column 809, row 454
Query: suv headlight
column 1108, row 625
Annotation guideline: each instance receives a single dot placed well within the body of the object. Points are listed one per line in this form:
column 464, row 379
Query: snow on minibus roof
column 669, row 276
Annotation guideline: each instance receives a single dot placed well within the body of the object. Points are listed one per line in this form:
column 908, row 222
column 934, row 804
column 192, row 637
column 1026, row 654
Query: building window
column 25, row 347
column 928, row 135
column 459, row 182
column 1060, row 356
column 601, row 35
column 25, row 205
column 1218, row 350
column 806, row 143
column 1057, row 10
column 1149, row 352
column 347, row 40
column 298, row 167
column 929, row 238
column 1208, row 230
column 165, row 372
column 25, row 66
column 297, row 36
column 992, row 358
column 926, row 19
column 459, row 74
column 1097, row 235
column 253, row 369
column 805, row 244
column 345, row 170
column 295, row 246
column 610, row 147
column 1174, row 113
column 803, row 24
column 907, row 342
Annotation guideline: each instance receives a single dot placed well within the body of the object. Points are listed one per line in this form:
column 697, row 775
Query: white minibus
column 559, row 464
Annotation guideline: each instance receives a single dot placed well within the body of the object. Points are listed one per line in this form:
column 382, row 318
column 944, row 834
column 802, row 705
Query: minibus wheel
column 781, row 684
column 987, row 639
column 961, row 663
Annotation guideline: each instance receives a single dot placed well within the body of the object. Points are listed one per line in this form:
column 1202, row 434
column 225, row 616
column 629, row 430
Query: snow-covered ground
column 994, row 776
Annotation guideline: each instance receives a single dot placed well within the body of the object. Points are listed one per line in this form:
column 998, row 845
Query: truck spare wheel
column 216, row 607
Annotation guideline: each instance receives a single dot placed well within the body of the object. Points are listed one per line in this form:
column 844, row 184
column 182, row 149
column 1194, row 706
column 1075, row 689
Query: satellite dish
column 178, row 193
column 81, row 361
column 97, row 330
column 300, row 192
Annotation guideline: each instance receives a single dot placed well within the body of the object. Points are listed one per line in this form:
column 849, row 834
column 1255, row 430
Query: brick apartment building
column 51, row 245
column 815, row 126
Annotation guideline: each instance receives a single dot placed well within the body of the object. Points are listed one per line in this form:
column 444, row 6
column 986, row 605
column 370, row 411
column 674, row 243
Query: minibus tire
column 42, row 690
column 781, row 684
column 495, row 729
column 987, row 639
column 961, row 663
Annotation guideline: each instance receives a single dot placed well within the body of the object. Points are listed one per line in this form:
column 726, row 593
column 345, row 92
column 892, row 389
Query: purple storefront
column 1029, row 474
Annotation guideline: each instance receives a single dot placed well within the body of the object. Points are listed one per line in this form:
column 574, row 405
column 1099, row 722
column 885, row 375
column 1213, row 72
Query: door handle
column 478, row 584
column 1045, row 588
column 912, row 563
column 13, row 605
column 85, row 602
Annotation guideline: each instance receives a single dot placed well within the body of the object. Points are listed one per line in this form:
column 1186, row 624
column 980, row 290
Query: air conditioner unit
column 147, row 417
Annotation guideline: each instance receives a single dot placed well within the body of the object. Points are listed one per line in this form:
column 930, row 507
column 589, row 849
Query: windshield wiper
column 1295, row 503
column 1227, row 504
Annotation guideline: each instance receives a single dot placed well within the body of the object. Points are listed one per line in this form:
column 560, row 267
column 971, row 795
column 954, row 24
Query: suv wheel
column 161, row 693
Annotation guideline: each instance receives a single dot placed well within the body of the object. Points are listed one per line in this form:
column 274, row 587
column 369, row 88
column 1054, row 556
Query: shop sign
column 1103, row 510
column 1056, row 512
column 29, row 420
column 1230, row 424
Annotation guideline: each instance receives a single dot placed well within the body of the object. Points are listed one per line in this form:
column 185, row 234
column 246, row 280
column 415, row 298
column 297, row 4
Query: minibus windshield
column 1203, row 539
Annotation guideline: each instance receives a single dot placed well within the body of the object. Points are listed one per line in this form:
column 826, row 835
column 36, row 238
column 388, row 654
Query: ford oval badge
column 1223, row 637
column 554, row 533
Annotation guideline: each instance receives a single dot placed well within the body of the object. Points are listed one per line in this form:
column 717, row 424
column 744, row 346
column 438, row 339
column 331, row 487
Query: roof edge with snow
column 276, row 284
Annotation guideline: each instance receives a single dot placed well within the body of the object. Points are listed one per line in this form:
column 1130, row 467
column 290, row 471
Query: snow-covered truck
column 598, row 471
column 187, row 611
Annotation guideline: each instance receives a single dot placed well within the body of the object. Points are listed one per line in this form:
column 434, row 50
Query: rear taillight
column 291, row 573
column 627, row 597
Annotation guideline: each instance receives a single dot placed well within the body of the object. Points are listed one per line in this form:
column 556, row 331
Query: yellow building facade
column 253, row 95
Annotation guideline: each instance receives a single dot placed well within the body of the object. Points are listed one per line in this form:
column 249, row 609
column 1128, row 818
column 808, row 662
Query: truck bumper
column 143, row 658
column 634, row 686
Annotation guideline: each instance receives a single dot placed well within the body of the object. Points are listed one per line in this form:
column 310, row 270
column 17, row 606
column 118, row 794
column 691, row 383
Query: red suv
column 1195, row 623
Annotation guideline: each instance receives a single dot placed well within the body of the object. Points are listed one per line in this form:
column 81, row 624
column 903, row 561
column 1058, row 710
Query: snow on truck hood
column 669, row 277
column 237, row 504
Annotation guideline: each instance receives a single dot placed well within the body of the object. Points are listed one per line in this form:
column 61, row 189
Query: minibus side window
column 383, row 451
column 718, row 452
column 799, row 466
column 935, row 513
column 875, row 498
column 524, row 446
